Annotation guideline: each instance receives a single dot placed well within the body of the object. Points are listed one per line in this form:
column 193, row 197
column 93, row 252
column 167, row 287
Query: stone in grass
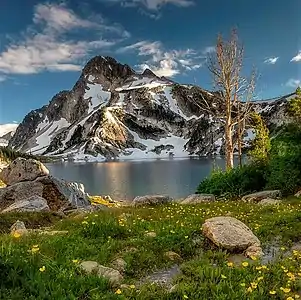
column 151, row 234
column 173, row 256
column 257, row 197
column 232, row 235
column 269, row 201
column 150, row 200
column 198, row 198
column 93, row 267
column 119, row 264
column 18, row 228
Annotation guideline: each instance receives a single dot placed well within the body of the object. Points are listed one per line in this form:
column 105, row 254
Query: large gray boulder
column 32, row 204
column 231, row 234
column 22, row 169
column 151, row 200
column 257, row 197
column 198, row 198
column 58, row 193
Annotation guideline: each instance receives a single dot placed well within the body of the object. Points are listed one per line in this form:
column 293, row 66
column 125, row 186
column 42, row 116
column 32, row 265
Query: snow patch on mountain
column 96, row 95
column 49, row 130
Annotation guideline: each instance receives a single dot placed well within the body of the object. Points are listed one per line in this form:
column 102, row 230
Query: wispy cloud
column 293, row 83
column 2, row 78
column 271, row 60
column 296, row 58
column 44, row 45
column 151, row 4
column 209, row 49
column 164, row 62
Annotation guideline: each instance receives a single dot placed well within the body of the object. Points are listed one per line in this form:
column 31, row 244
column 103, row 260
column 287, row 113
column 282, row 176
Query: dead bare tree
column 225, row 64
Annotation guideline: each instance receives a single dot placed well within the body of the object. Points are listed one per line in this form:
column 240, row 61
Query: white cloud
column 297, row 58
column 209, row 49
column 44, row 45
column 293, row 83
column 271, row 60
column 164, row 62
column 151, row 4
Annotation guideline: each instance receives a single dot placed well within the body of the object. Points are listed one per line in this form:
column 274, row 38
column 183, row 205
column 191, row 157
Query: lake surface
column 124, row 180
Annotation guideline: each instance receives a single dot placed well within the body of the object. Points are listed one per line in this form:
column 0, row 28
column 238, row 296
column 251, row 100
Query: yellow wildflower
column 260, row 278
column 16, row 235
column 132, row 286
column 290, row 298
column 253, row 285
column 42, row 269
column 285, row 290
column 249, row 290
column 297, row 296
column 75, row 261
column 272, row 292
column 118, row 292
column 253, row 257
column 230, row 264
column 35, row 249
column 245, row 264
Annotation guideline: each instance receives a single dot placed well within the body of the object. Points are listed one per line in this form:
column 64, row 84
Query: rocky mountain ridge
column 113, row 112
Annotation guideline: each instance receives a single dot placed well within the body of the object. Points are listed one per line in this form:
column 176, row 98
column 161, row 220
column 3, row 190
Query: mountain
column 6, row 133
column 114, row 112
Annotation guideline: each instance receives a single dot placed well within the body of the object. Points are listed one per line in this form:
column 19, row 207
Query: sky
column 45, row 45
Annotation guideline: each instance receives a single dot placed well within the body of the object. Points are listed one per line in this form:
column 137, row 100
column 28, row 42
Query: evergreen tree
column 294, row 107
column 261, row 144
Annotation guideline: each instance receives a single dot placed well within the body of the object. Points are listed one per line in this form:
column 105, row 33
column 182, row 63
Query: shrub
column 284, row 168
column 235, row 182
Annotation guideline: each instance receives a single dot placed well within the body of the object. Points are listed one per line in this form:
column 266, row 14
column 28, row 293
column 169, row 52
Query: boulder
column 269, row 201
column 151, row 200
column 93, row 267
column 58, row 193
column 34, row 203
column 257, row 197
column 230, row 234
column 198, row 198
column 22, row 169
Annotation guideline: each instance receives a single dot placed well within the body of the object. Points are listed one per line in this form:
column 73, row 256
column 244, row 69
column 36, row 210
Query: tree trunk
column 228, row 143
column 239, row 146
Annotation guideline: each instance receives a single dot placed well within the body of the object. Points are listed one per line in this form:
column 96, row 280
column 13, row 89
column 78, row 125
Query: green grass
column 104, row 236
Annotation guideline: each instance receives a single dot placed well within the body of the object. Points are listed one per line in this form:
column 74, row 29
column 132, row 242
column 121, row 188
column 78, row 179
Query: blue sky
column 44, row 45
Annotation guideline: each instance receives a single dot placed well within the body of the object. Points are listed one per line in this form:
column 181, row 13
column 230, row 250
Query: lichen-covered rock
column 257, row 197
column 22, row 169
column 198, row 198
column 93, row 267
column 32, row 204
column 57, row 192
column 229, row 233
column 151, row 200
column 173, row 256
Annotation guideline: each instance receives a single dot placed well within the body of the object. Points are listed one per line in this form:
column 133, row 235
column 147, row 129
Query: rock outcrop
column 232, row 235
column 22, row 169
column 113, row 112
column 39, row 191
column 150, row 200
